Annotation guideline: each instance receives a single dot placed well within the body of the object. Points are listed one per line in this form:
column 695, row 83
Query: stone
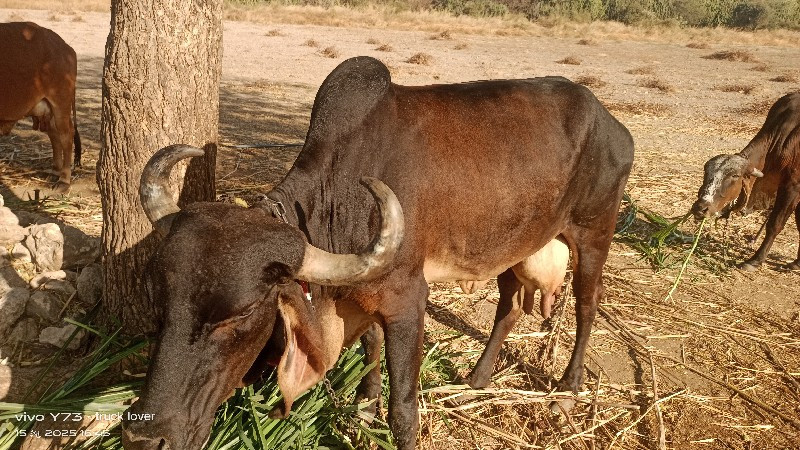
column 57, row 336
column 20, row 252
column 90, row 284
column 44, row 304
column 80, row 249
column 26, row 330
column 44, row 277
column 12, row 305
column 9, row 279
column 46, row 244
column 10, row 230
column 61, row 286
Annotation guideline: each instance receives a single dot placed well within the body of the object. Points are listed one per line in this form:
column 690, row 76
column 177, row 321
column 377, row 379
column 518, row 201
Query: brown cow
column 768, row 167
column 37, row 75
column 553, row 163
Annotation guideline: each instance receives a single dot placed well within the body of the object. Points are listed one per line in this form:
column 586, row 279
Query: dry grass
column 311, row 43
column 384, row 48
column 698, row 45
column 422, row 59
column 78, row 18
column 461, row 46
column 373, row 41
column 639, row 108
column 644, row 70
column 587, row 42
column 274, row 32
column 758, row 108
column 54, row 18
column 443, row 36
column 330, row 52
column 590, row 81
column 656, row 83
column 388, row 17
column 733, row 55
column 761, row 68
column 740, row 88
column 571, row 60
column 785, row 78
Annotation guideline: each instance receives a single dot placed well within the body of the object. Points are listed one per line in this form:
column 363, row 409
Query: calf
column 768, row 167
column 226, row 275
column 37, row 75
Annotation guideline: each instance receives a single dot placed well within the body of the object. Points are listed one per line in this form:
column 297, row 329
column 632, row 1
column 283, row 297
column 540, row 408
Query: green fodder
column 322, row 417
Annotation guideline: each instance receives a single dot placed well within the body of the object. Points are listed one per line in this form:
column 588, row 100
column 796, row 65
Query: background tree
column 160, row 87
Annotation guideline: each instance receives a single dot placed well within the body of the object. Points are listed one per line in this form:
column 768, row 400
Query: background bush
column 744, row 14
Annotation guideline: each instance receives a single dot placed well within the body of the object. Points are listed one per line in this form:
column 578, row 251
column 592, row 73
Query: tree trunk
column 160, row 87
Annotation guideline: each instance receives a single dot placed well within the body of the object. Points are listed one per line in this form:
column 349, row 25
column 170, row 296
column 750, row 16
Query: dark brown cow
column 37, row 75
column 767, row 168
column 553, row 163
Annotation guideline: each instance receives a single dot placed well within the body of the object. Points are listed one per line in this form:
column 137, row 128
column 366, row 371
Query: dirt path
column 695, row 108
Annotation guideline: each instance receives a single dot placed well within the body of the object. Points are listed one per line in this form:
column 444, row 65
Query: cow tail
column 77, row 138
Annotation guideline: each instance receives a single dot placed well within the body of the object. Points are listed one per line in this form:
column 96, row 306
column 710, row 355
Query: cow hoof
column 748, row 267
column 794, row 265
column 61, row 187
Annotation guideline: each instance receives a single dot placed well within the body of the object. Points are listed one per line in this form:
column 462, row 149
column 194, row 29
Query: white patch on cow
column 712, row 187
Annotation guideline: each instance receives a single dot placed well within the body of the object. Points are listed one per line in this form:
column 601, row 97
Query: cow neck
column 756, row 151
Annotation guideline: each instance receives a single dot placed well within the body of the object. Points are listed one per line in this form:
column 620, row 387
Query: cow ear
column 302, row 364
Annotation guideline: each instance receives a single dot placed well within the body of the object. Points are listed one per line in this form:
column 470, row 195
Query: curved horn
column 330, row 269
column 154, row 189
column 756, row 173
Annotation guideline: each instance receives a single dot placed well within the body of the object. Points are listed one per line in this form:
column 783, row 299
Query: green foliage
column 476, row 8
column 317, row 420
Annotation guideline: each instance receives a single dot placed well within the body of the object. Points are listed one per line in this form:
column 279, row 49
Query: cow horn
column 155, row 192
column 756, row 173
column 325, row 268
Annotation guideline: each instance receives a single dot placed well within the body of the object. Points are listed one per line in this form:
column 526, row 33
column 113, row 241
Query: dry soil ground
column 739, row 329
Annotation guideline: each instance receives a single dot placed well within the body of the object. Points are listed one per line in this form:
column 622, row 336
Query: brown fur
column 38, row 71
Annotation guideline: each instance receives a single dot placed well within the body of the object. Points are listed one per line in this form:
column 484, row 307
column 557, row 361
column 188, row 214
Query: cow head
column 727, row 184
column 226, row 276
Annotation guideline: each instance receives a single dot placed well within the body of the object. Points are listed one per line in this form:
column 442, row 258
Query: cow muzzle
column 171, row 434
column 702, row 209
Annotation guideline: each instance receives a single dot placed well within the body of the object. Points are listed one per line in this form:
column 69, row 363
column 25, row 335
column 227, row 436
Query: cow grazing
column 37, row 74
column 226, row 275
column 767, row 168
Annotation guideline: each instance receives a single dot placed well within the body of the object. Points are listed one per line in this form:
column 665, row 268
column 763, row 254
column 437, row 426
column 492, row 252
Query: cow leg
column 795, row 265
column 508, row 311
column 404, row 329
column 588, row 287
column 785, row 203
column 61, row 133
column 370, row 386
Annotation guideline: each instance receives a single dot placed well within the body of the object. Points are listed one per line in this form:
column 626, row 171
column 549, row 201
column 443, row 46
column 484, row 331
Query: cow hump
column 348, row 95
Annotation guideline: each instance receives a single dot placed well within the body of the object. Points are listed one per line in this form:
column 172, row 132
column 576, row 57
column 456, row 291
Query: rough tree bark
column 160, row 87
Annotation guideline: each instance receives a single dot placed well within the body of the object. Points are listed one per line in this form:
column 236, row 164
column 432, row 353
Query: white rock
column 12, row 305
column 10, row 230
column 57, row 336
column 45, row 305
column 46, row 244
column 44, row 277
column 21, row 253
